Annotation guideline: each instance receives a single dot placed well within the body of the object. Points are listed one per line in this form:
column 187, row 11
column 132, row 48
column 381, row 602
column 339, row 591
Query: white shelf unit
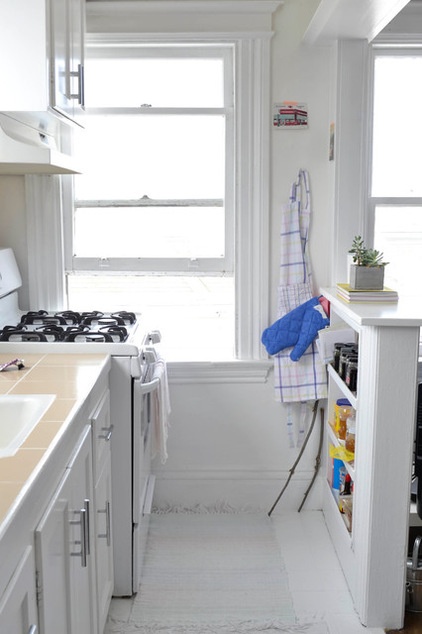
column 374, row 555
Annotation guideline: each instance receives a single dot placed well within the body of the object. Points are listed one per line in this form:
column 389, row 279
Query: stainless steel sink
column 19, row 413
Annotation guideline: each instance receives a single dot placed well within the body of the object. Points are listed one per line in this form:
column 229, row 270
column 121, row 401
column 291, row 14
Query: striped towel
column 306, row 379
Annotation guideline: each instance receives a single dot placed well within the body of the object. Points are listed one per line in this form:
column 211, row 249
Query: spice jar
column 351, row 433
column 342, row 427
column 352, row 373
column 336, row 355
column 342, row 411
column 345, row 353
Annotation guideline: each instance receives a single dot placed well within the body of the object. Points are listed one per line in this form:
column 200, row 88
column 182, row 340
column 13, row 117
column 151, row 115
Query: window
column 396, row 191
column 154, row 211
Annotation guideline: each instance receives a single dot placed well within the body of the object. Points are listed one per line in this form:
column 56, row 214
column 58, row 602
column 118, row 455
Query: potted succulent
column 367, row 270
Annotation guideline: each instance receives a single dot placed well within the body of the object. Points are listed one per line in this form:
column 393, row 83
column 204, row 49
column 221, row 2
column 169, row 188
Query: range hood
column 25, row 149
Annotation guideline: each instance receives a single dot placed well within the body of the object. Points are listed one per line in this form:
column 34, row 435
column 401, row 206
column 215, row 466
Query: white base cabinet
column 374, row 554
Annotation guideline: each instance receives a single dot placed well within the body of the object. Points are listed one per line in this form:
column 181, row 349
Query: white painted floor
column 317, row 585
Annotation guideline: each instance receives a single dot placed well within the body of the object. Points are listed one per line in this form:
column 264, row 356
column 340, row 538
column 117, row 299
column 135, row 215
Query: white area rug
column 211, row 573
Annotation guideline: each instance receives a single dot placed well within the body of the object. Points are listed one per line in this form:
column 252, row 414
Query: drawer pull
column 107, row 433
column 107, row 534
column 82, row 523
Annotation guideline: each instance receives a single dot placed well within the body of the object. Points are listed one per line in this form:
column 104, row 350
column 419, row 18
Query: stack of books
column 350, row 295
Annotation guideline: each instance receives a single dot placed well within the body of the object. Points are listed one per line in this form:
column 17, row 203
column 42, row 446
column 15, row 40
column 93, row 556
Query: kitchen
column 201, row 446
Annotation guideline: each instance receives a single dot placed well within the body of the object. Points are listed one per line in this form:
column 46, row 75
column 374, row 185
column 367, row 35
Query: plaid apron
column 306, row 379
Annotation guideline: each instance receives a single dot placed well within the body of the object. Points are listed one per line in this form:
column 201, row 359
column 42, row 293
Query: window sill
column 219, row 371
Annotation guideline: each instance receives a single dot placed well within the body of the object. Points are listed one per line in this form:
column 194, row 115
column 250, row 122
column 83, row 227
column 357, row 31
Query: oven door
column 143, row 481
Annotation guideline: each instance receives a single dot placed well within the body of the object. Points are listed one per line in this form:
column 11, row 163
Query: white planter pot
column 367, row 278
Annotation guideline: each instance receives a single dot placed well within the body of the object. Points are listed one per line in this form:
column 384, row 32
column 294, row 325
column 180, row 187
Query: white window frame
column 393, row 45
column 222, row 265
column 252, row 156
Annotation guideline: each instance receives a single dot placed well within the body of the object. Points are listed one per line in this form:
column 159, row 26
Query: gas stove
column 71, row 331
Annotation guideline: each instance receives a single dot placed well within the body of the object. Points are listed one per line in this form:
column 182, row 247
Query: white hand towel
column 161, row 411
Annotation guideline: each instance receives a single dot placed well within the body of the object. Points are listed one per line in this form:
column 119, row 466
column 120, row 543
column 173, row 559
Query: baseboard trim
column 238, row 490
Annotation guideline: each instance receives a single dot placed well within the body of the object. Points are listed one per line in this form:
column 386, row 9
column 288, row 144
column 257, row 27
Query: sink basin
column 19, row 413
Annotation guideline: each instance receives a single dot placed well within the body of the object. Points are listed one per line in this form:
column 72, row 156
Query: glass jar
column 345, row 353
column 343, row 409
column 352, row 372
column 351, row 433
column 336, row 355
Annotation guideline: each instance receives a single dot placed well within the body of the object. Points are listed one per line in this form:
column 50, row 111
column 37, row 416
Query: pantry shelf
column 350, row 467
column 335, row 377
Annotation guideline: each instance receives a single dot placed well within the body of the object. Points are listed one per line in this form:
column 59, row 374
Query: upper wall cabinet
column 41, row 61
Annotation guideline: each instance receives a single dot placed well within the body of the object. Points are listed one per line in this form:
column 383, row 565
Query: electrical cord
column 318, row 458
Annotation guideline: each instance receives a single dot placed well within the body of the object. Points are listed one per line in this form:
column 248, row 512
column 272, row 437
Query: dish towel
column 161, row 411
column 306, row 379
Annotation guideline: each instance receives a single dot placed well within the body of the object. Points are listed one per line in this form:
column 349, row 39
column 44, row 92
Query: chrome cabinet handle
column 32, row 629
column 82, row 553
column 108, row 431
column 80, row 95
column 107, row 534
column 87, row 524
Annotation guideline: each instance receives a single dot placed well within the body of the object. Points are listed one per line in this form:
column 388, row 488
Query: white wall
column 13, row 225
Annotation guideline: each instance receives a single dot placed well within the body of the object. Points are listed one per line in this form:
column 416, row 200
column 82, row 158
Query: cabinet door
column 101, row 440
column 67, row 53
column 52, row 547
column 60, row 52
column 77, row 55
column 65, row 563
column 103, row 542
column 82, row 554
column 18, row 606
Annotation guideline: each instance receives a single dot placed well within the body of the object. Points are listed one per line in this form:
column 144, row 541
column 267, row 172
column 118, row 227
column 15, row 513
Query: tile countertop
column 70, row 378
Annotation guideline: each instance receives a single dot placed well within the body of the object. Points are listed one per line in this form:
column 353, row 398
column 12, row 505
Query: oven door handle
column 146, row 388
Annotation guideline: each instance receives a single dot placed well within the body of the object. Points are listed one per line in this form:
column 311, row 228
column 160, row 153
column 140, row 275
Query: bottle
column 342, row 411
column 351, row 433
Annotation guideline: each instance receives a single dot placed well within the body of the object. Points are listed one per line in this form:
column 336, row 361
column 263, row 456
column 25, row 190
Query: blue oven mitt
column 314, row 319
column 297, row 328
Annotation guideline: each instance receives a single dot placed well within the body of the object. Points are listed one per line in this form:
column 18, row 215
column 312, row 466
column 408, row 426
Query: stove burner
column 10, row 333
column 118, row 333
column 92, row 313
column 126, row 316
column 90, row 336
column 103, row 321
column 42, row 318
column 70, row 316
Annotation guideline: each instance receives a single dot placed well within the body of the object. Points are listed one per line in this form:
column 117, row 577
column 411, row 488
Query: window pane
column 397, row 126
column 195, row 315
column 163, row 157
column 398, row 233
column 168, row 82
column 149, row 232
